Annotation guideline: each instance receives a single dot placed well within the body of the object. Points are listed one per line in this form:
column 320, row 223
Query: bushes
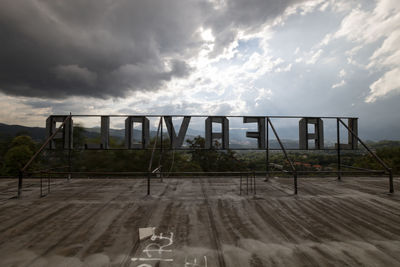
column 16, row 152
column 20, row 151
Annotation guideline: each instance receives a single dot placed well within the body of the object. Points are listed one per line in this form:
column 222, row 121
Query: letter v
column 177, row 141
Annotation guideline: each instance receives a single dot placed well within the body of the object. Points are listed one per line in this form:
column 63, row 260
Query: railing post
column 70, row 146
column 148, row 183
column 161, row 153
column 391, row 189
column 254, row 182
column 267, row 152
column 294, row 171
column 240, row 187
column 151, row 157
column 389, row 170
column 247, row 183
column 69, row 165
column 339, row 175
column 20, row 176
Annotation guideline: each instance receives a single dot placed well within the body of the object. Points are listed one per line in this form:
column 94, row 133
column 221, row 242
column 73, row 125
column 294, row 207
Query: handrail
column 284, row 152
column 50, row 169
column 358, row 168
column 152, row 155
column 199, row 172
column 21, row 172
column 388, row 169
column 366, row 147
column 281, row 145
column 209, row 115
column 45, row 144
column 154, row 146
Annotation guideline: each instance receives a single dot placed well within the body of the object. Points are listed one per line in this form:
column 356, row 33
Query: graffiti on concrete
column 160, row 250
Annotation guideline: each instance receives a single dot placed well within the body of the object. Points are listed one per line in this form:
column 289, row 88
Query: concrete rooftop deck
column 201, row 222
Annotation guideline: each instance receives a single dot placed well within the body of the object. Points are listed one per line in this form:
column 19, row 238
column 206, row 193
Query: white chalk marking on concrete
column 151, row 259
column 160, row 249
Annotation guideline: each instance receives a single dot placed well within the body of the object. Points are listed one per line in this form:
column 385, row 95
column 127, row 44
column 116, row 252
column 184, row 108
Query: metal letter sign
column 65, row 136
column 141, row 139
column 105, row 135
column 352, row 139
column 317, row 135
column 177, row 141
column 260, row 134
column 129, row 132
column 59, row 131
column 224, row 135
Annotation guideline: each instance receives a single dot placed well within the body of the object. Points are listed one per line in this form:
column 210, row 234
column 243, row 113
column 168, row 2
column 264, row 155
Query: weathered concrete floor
column 95, row 223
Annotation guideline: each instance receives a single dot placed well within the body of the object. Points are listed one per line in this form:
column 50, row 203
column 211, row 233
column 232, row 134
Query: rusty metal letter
column 177, row 141
column 260, row 134
column 210, row 135
column 129, row 132
column 65, row 135
column 352, row 139
column 317, row 135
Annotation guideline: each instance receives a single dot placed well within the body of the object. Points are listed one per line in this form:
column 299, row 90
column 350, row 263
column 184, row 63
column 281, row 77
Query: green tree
column 78, row 135
column 21, row 150
column 212, row 159
column 390, row 155
column 23, row 140
column 206, row 159
column 4, row 145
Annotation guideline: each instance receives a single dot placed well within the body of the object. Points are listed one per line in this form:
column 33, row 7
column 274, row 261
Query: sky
column 215, row 57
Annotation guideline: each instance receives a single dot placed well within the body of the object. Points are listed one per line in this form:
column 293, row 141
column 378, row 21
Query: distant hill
column 39, row 134
column 9, row 131
column 238, row 139
column 383, row 143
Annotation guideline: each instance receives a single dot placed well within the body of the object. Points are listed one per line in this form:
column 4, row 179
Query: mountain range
column 237, row 137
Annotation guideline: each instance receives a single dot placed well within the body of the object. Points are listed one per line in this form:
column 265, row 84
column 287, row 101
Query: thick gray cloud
column 102, row 48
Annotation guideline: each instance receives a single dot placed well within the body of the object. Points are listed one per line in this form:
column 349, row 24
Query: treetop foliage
column 16, row 152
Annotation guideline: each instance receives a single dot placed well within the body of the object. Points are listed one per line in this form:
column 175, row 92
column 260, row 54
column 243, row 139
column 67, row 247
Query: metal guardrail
column 150, row 172
column 174, row 174
column 21, row 172
column 389, row 170
column 286, row 156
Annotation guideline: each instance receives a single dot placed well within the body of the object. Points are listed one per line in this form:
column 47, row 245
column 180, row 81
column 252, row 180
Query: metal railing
column 50, row 138
column 158, row 170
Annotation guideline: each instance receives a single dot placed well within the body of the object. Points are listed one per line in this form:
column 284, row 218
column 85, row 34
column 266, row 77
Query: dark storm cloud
column 103, row 48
